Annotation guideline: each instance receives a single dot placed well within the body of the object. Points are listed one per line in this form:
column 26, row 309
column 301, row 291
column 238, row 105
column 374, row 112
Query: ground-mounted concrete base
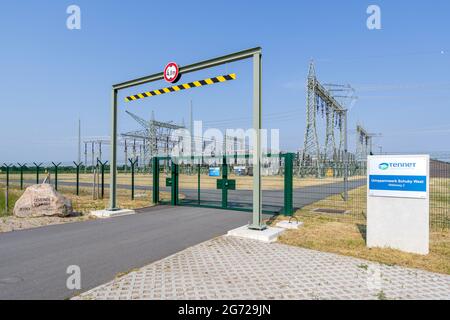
column 305, row 274
column 285, row 224
column 267, row 235
column 111, row 213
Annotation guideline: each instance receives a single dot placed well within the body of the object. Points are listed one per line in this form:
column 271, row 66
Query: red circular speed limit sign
column 171, row 72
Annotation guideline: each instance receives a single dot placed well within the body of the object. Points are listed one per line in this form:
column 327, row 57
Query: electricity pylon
column 319, row 99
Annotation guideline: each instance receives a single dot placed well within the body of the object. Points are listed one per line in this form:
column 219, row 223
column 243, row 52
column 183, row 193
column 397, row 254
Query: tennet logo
column 383, row 166
column 399, row 165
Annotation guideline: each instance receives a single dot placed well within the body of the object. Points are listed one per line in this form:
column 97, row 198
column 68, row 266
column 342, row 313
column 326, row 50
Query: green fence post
column 174, row 186
column 103, row 178
column 7, row 167
column 155, row 166
column 56, row 174
column 78, row 176
column 38, row 166
column 288, row 209
column 22, row 166
column 7, row 190
column 224, row 182
column 198, row 183
column 7, row 187
column 102, row 168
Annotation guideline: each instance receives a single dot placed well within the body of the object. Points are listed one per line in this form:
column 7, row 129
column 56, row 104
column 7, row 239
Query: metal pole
column 126, row 156
column 92, row 155
column 97, row 168
column 103, row 180
column 7, row 188
column 102, row 168
column 224, row 181
column 132, row 163
column 56, row 174
column 288, row 184
column 21, row 174
column 21, row 178
column 79, row 140
column 140, row 156
column 7, row 191
column 38, row 166
column 257, row 193
column 78, row 176
column 85, row 157
column 143, row 155
column 155, row 180
column 113, row 159
column 198, row 183
column 6, row 199
column 345, row 157
column 174, row 186
column 78, row 179
column 93, row 184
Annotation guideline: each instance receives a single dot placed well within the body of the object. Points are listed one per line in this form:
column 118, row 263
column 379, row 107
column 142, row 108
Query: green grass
column 356, row 205
column 13, row 196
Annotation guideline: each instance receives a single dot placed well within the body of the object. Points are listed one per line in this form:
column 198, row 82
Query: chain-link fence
column 326, row 193
column 318, row 189
column 440, row 194
column 88, row 186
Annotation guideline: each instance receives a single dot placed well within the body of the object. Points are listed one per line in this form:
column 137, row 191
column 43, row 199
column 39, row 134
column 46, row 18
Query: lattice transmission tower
column 311, row 148
column 320, row 100
column 345, row 95
column 364, row 141
column 156, row 136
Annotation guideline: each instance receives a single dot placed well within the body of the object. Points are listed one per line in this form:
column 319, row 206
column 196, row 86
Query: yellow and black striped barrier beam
column 180, row 87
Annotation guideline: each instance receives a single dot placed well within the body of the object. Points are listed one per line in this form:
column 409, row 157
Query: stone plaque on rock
column 42, row 200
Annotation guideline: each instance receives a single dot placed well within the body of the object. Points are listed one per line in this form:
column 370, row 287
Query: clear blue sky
column 50, row 76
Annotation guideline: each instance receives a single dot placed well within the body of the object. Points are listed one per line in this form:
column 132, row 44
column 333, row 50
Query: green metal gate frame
column 255, row 54
column 223, row 184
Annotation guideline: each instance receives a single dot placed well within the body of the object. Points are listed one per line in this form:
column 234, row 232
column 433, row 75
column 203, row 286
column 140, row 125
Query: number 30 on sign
column 171, row 72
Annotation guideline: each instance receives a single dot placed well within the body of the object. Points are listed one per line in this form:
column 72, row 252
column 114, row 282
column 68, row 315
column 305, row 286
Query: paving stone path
column 233, row 268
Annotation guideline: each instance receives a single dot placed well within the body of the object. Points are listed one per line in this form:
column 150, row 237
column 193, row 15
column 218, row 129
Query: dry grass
column 82, row 204
column 346, row 234
column 207, row 182
column 14, row 194
column 85, row 202
column 326, row 234
column 357, row 205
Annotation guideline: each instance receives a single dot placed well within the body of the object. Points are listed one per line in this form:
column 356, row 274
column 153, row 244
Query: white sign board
column 398, row 202
column 398, row 176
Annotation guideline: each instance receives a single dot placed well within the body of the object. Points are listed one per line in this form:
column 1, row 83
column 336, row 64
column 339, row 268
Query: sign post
column 398, row 202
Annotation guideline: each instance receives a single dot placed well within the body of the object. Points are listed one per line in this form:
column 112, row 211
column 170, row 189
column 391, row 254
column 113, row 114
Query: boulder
column 42, row 200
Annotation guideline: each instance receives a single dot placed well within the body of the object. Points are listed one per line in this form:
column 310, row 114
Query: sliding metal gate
column 223, row 182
